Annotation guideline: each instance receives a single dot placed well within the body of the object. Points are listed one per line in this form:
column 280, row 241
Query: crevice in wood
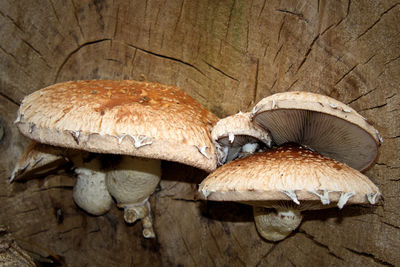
column 166, row 57
column 274, row 246
column 54, row 11
column 262, row 9
column 220, row 71
column 74, row 52
column 179, row 16
column 307, row 53
column 300, row 16
column 371, row 256
column 19, row 27
column 312, row 238
column 9, row 99
column 277, row 53
column 77, row 19
column 377, row 21
column 360, row 96
column 345, row 75
column 255, row 90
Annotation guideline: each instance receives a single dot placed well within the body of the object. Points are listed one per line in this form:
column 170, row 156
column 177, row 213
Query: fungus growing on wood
column 37, row 160
column 320, row 123
column 236, row 136
column 282, row 182
column 129, row 118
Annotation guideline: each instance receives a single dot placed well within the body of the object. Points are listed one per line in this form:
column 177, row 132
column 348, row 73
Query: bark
column 228, row 55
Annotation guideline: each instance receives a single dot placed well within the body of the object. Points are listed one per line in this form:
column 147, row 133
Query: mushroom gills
column 276, row 224
column 131, row 181
column 329, row 135
column 242, row 147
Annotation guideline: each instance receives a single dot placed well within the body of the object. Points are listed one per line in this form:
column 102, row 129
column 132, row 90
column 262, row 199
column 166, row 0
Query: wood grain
column 228, row 55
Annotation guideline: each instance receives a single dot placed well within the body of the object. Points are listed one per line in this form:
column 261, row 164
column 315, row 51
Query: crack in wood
column 360, row 96
column 293, row 83
column 229, row 19
column 297, row 15
column 307, row 53
column 277, row 53
column 74, row 52
column 19, row 27
column 167, row 57
column 9, row 99
column 371, row 256
column 255, row 89
column 116, row 23
column 220, row 71
column 262, row 9
column 280, row 29
column 55, row 12
column 391, row 60
column 274, row 246
column 312, row 238
column 179, row 16
column 377, row 21
column 345, row 75
column 76, row 18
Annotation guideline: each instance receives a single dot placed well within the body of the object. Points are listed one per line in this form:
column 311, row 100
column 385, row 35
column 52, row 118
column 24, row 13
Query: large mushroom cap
column 122, row 117
column 287, row 173
column 233, row 133
column 321, row 123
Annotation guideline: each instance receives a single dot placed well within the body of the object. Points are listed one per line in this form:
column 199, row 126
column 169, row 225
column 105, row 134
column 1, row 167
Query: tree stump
column 228, row 55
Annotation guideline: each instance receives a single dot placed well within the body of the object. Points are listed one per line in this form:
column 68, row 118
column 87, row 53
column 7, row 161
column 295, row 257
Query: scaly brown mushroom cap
column 123, row 117
column 321, row 123
column 289, row 172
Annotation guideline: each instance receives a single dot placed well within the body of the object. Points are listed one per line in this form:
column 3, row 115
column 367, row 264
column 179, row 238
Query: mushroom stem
column 275, row 225
column 131, row 182
column 140, row 211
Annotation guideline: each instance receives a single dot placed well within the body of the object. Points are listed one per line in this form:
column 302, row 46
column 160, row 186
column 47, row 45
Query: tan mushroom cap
column 321, row 123
column 38, row 160
column 292, row 173
column 122, row 117
column 240, row 128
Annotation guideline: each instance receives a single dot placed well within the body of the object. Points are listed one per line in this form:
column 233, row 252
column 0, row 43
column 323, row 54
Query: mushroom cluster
column 142, row 122
column 320, row 145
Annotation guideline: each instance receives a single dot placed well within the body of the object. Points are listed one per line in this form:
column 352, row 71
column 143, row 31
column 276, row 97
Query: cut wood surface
column 228, row 55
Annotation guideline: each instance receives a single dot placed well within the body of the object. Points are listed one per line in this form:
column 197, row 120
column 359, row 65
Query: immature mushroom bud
column 320, row 123
column 129, row 118
column 90, row 191
column 282, row 182
column 236, row 136
column 131, row 182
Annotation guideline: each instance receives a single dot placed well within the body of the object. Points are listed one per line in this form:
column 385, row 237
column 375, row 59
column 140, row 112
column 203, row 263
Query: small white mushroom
column 131, row 182
column 275, row 225
column 90, row 192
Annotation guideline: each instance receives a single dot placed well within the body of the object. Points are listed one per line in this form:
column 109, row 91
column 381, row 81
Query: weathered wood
column 228, row 55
